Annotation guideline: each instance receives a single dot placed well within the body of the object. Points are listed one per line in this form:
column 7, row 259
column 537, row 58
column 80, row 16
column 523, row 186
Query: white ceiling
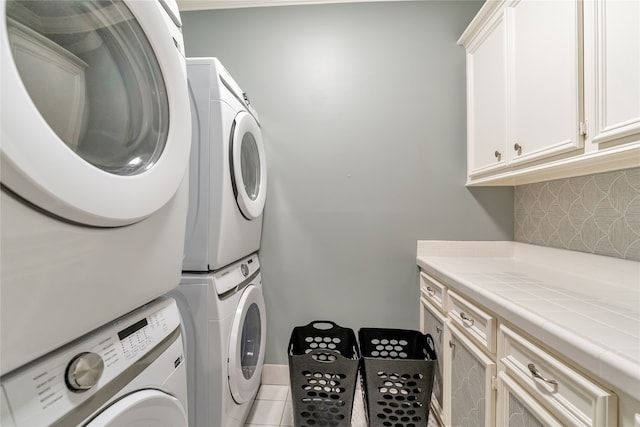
column 185, row 5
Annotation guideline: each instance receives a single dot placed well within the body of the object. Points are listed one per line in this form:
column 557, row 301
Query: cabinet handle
column 518, row 148
column 451, row 344
column 537, row 374
column 438, row 330
column 430, row 291
column 466, row 319
column 498, row 155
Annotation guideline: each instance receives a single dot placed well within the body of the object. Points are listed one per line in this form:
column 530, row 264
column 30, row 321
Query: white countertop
column 584, row 307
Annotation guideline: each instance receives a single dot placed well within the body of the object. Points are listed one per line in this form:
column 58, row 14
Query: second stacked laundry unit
column 220, row 293
column 228, row 172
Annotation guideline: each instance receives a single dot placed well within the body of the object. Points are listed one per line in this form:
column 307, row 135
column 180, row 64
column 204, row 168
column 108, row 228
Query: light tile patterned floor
column 272, row 408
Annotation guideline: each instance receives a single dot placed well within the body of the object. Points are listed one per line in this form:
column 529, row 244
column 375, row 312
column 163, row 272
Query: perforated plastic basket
column 323, row 368
column 397, row 376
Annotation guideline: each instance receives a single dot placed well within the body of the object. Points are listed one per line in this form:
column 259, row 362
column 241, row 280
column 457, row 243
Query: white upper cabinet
column 612, row 52
column 543, row 78
column 553, row 89
column 486, row 95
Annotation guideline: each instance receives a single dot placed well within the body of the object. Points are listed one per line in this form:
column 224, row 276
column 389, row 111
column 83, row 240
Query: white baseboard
column 275, row 374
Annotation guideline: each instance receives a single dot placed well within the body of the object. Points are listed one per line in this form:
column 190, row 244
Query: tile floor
column 272, row 408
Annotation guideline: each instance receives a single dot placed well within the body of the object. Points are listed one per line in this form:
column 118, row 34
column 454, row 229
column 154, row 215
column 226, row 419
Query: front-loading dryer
column 228, row 174
column 225, row 330
column 129, row 373
column 95, row 133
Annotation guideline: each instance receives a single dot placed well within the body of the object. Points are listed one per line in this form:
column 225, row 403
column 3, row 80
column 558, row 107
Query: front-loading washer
column 225, row 330
column 129, row 373
column 228, row 173
column 95, row 132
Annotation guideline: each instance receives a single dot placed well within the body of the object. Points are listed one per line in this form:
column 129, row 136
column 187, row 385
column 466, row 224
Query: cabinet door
column 544, row 83
column 469, row 374
column 486, row 98
column 432, row 322
column 612, row 54
column 516, row 408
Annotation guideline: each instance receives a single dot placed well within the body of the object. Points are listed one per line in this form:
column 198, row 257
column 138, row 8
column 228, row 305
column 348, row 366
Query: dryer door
column 247, row 345
column 95, row 111
column 142, row 408
column 248, row 165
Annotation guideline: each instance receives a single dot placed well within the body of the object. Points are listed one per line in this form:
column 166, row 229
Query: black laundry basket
column 323, row 368
column 397, row 372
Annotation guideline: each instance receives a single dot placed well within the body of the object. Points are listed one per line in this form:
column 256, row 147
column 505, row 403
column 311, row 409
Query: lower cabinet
column 492, row 375
column 432, row 322
column 516, row 408
column 469, row 375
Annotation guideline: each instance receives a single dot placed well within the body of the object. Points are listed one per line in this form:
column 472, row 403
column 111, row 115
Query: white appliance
column 95, row 133
column 228, row 174
column 128, row 373
column 225, row 330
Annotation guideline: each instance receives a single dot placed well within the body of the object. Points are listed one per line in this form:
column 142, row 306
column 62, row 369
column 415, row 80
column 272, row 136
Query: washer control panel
column 45, row 390
column 84, row 371
column 234, row 275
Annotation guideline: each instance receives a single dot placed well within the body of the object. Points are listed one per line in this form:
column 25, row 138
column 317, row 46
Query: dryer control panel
column 47, row 389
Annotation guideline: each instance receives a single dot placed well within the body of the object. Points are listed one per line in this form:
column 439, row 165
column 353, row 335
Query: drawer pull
column 430, row 291
column 536, row 374
column 466, row 319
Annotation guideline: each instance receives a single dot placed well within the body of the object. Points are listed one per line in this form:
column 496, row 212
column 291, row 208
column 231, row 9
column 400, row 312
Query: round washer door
column 247, row 345
column 143, row 408
column 248, row 165
column 95, row 111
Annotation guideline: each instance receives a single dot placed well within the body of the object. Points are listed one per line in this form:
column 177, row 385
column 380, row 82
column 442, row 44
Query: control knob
column 244, row 269
column 84, row 371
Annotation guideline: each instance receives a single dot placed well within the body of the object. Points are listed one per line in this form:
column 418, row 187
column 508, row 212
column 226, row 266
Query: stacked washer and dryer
column 93, row 198
column 220, row 293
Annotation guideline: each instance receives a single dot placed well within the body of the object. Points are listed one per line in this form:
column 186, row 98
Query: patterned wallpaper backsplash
column 598, row 214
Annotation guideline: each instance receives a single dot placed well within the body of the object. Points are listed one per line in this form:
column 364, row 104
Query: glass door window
column 93, row 76
column 250, row 342
column 248, row 166
column 247, row 345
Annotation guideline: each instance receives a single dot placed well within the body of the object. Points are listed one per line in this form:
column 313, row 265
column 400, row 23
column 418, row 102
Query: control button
column 244, row 269
column 84, row 371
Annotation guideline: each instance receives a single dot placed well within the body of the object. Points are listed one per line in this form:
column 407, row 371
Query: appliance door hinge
column 583, row 128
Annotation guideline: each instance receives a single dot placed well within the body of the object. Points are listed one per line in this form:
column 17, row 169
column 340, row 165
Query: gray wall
column 363, row 113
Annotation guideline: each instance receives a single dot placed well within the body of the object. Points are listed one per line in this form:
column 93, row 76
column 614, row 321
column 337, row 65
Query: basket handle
column 430, row 349
column 322, row 325
column 324, row 351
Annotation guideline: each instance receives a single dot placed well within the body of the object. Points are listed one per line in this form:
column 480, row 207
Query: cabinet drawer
column 575, row 399
column 478, row 324
column 433, row 290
